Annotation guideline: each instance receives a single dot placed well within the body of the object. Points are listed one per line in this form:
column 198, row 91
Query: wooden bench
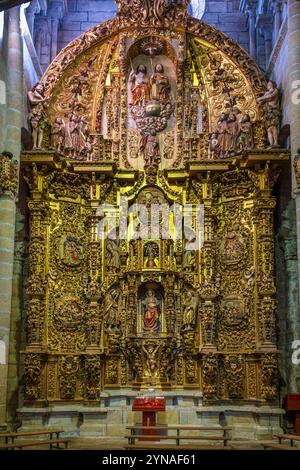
column 178, row 436
column 290, row 437
column 274, row 446
column 53, row 444
column 11, row 436
column 172, row 447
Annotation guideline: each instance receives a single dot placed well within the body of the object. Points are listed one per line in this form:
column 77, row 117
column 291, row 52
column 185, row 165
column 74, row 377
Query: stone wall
column 83, row 15
column 225, row 15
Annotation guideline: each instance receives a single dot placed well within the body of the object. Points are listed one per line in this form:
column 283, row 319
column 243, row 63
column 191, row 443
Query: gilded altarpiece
column 154, row 110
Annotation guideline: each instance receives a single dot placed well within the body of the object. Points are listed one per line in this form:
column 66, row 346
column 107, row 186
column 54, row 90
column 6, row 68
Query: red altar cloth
column 149, row 407
column 149, row 404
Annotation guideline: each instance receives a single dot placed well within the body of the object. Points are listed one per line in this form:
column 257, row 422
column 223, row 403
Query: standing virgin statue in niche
column 151, row 305
column 139, row 86
column 160, row 85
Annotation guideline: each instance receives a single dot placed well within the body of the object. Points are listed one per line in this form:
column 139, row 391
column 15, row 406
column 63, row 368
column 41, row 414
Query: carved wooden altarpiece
column 151, row 107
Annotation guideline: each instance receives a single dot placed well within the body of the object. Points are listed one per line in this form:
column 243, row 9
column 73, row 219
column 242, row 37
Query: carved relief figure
column 149, row 147
column 223, row 135
column 150, row 351
column 151, row 252
column 160, row 85
column 232, row 247
column 72, row 134
column 233, row 130
column 58, row 135
column 234, row 369
column 71, row 251
column 189, row 311
column 213, row 146
column 271, row 112
column 151, row 307
column 37, row 119
column 246, row 133
column 112, row 254
column 83, row 133
column 139, row 86
column 111, row 310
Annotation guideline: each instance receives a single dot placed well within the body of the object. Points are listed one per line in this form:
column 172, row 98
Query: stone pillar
column 252, row 32
column 56, row 11
column 288, row 305
column 293, row 72
column 30, row 15
column 14, row 68
column 54, row 34
column 13, row 54
column 268, row 44
column 277, row 17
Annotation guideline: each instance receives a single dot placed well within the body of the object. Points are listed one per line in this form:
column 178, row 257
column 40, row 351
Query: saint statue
column 233, row 129
column 139, row 86
column 111, row 310
column 112, row 254
column 223, row 135
column 271, row 114
column 72, row 133
column 246, row 133
column 213, row 146
column 149, row 147
column 151, row 311
column 189, row 311
column 160, row 85
column 37, row 120
column 58, row 135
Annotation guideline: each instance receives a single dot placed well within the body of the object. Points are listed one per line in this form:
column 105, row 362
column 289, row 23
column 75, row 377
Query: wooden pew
column 275, row 446
column 172, row 447
column 11, row 436
column 53, row 444
column 290, row 437
column 178, row 437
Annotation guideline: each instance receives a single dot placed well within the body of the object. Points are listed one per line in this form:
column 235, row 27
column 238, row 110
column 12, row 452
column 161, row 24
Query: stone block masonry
column 83, row 15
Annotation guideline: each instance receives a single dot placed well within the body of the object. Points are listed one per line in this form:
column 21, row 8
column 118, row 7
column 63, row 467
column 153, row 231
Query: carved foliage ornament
column 8, row 174
column 152, row 12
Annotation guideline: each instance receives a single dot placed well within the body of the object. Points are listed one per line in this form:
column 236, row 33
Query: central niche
column 150, row 314
column 151, row 99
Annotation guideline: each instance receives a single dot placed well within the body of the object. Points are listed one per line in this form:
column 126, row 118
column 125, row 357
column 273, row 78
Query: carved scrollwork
column 32, row 376
column 9, row 169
